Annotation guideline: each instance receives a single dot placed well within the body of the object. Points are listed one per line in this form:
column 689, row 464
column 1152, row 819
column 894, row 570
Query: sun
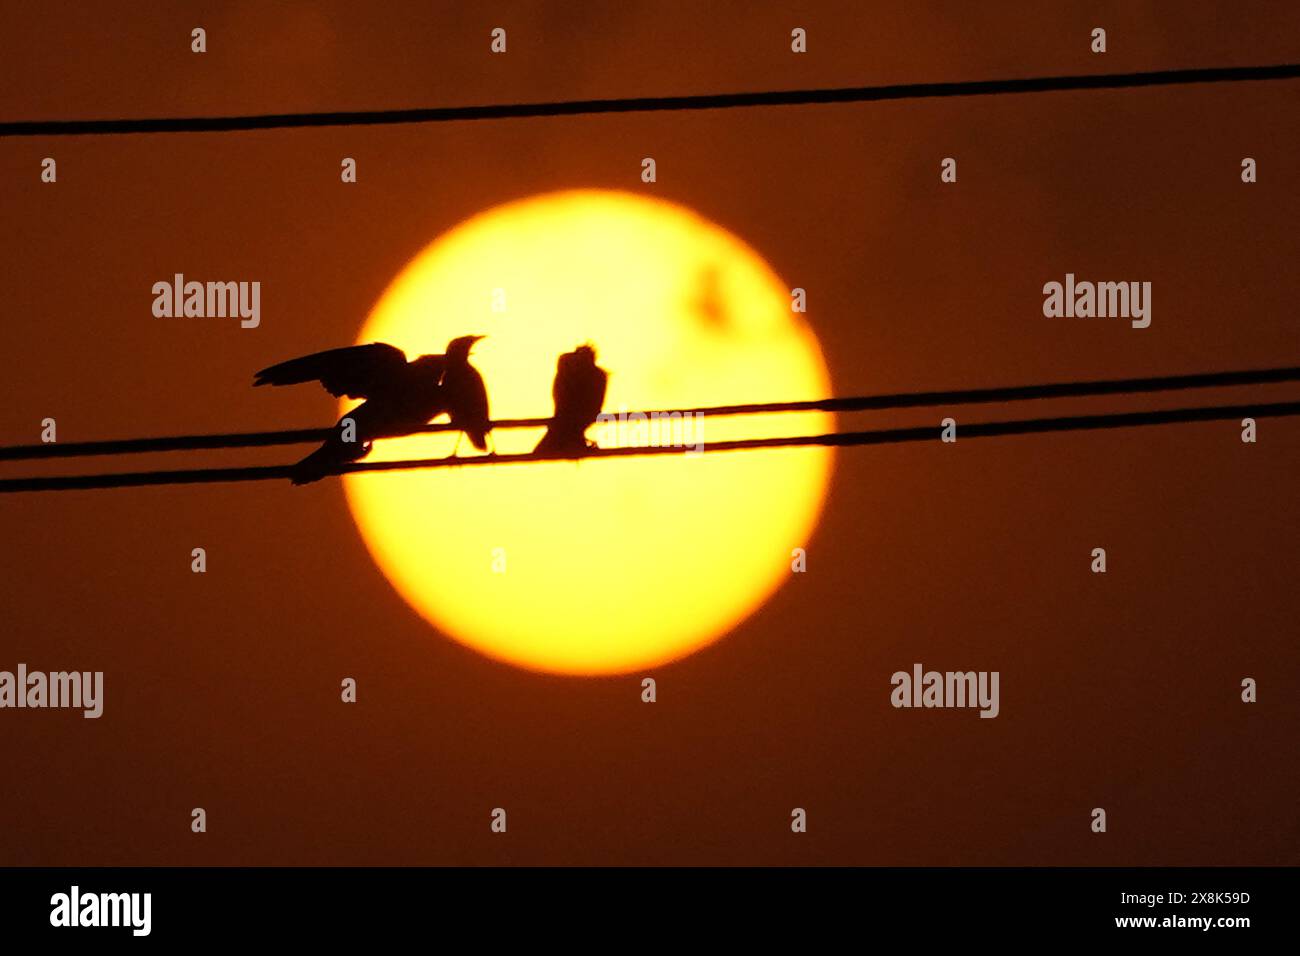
column 599, row 566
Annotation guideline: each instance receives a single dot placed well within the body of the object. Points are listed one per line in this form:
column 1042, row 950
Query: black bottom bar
column 464, row 909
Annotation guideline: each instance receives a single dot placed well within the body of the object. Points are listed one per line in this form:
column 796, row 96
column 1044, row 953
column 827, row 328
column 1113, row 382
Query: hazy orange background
column 1118, row 691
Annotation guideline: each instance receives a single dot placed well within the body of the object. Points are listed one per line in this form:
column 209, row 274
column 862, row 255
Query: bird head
column 586, row 354
column 459, row 348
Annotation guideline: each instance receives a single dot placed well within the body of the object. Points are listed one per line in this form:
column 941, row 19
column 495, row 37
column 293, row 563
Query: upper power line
column 651, row 104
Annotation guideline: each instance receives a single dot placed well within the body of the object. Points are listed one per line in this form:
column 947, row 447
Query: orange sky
column 221, row 690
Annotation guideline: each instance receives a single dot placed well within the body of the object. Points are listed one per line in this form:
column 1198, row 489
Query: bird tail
column 478, row 439
column 312, row 468
column 562, row 440
column 325, row 460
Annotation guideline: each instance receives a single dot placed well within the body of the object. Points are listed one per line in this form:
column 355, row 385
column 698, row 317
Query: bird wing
column 356, row 371
column 594, row 393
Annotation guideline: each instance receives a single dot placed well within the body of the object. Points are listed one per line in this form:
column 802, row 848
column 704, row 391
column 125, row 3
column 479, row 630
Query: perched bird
column 399, row 396
column 464, row 396
column 579, row 393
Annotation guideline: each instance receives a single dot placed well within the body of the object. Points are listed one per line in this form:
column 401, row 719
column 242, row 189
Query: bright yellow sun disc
column 609, row 565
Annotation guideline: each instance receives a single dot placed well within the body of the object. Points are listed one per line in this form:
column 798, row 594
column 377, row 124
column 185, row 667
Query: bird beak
column 475, row 339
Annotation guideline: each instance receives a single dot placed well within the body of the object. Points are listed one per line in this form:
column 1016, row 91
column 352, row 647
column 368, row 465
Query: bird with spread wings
column 398, row 397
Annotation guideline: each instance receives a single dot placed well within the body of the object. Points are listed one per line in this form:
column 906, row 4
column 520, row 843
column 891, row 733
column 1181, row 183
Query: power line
column 889, row 436
column 651, row 104
column 968, row 396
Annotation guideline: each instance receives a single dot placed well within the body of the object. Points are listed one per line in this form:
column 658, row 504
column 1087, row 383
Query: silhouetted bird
column 579, row 393
column 399, row 396
column 464, row 395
